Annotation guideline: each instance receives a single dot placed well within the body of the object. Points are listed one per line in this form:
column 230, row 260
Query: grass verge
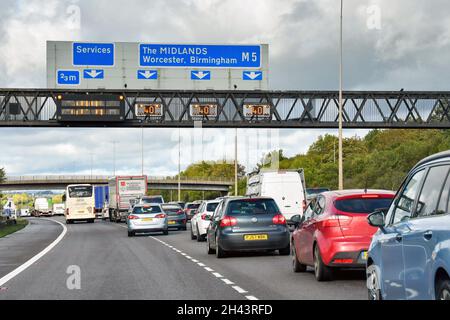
column 11, row 228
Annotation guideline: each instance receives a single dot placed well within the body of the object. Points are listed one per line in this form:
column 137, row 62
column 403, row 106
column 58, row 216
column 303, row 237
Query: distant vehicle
column 311, row 192
column 175, row 215
column 9, row 210
column 122, row 189
column 25, row 212
column 334, row 233
column 42, row 207
column 247, row 224
column 105, row 211
column 180, row 203
column 202, row 218
column 101, row 194
column 58, row 209
column 149, row 199
column 286, row 187
column 409, row 257
column 79, row 201
column 189, row 209
column 147, row 218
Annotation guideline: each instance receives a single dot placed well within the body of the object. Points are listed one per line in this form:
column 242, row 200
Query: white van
column 286, row 187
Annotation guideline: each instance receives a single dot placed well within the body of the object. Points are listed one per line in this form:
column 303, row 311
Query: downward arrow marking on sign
column 147, row 74
column 94, row 73
column 200, row 74
column 252, row 75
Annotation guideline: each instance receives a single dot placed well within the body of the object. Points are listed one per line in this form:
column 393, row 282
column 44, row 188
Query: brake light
column 343, row 261
column 279, row 219
column 369, row 196
column 67, row 211
column 228, row 221
column 160, row 216
column 132, row 217
column 336, row 221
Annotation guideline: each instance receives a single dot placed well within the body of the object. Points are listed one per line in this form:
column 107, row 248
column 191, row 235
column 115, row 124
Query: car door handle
column 428, row 235
column 398, row 237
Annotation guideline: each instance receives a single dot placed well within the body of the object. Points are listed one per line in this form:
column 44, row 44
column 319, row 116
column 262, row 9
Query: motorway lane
column 269, row 275
column 20, row 246
column 114, row 266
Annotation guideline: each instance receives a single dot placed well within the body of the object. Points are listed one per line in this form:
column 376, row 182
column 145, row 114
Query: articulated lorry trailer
column 101, row 194
column 122, row 189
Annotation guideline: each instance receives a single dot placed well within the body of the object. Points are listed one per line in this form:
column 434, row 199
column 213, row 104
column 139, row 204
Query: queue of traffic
column 401, row 239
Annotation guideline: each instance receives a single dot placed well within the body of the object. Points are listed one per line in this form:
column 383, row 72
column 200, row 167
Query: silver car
column 147, row 218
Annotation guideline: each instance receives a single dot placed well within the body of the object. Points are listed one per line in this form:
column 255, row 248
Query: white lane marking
column 30, row 262
column 239, row 289
column 193, row 260
column 227, row 281
column 208, row 269
column 217, row 275
column 251, row 298
column 201, row 264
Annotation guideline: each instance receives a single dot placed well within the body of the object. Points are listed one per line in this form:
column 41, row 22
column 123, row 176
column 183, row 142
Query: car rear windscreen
column 252, row 207
column 152, row 200
column 80, row 192
column 211, row 206
column 171, row 211
column 311, row 191
column 362, row 205
column 193, row 205
column 150, row 209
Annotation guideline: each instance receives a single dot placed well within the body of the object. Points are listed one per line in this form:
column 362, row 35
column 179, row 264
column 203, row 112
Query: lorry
column 286, row 187
column 101, row 194
column 42, row 207
column 122, row 189
column 9, row 210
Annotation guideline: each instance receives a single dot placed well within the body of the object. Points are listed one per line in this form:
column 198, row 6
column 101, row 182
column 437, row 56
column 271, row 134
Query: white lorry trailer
column 286, row 187
column 122, row 189
column 42, row 207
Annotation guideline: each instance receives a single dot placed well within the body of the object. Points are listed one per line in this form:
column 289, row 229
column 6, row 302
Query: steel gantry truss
column 283, row 109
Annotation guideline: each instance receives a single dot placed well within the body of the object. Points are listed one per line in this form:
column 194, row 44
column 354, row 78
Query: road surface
column 113, row 266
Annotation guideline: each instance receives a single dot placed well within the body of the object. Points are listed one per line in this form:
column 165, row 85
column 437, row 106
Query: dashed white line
column 209, row 269
column 201, row 264
column 251, row 298
column 227, row 281
column 239, row 289
column 217, row 275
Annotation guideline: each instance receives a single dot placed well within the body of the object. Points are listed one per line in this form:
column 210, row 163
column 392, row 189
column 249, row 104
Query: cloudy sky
column 388, row 45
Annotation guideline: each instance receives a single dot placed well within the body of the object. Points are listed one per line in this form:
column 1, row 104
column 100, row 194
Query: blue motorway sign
column 93, row 54
column 252, row 75
column 147, row 74
column 199, row 56
column 68, row 77
column 201, row 75
column 93, row 74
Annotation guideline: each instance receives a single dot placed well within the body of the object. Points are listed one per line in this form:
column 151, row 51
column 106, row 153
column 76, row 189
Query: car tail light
column 180, row 212
column 132, row 217
column 336, row 221
column 160, row 216
column 304, row 205
column 67, row 211
column 343, row 261
column 279, row 219
column 228, row 221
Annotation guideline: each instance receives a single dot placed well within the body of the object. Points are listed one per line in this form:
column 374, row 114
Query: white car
column 201, row 220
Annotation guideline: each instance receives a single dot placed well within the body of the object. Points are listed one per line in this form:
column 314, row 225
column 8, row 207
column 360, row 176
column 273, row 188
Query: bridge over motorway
column 222, row 109
column 55, row 182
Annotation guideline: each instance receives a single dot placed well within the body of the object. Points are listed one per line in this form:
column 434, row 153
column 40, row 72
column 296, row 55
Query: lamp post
column 340, row 161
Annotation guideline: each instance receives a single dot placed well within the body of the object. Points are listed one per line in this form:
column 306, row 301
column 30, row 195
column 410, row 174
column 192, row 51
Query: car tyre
column 443, row 290
column 321, row 271
column 296, row 265
column 220, row 253
column 131, row 233
column 199, row 236
column 373, row 284
column 285, row 251
column 165, row 232
column 210, row 250
column 193, row 237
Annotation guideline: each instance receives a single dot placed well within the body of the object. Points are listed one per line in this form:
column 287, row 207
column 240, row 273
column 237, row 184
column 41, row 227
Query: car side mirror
column 296, row 220
column 208, row 217
column 63, row 198
column 376, row 219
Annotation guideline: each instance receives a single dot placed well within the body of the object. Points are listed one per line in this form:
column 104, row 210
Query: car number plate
column 364, row 255
column 147, row 219
column 250, row 237
column 171, row 222
column 80, row 211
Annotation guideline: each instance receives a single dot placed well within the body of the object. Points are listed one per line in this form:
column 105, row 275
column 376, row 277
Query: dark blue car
column 409, row 257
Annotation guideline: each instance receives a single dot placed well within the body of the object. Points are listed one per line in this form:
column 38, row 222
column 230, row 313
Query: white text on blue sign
column 93, row 54
column 68, row 77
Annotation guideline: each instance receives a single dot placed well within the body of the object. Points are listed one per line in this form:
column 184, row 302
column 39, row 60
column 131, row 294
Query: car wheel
column 285, row 251
column 321, row 271
column 165, row 232
column 193, row 237
column 373, row 284
column 130, row 233
column 210, row 251
column 296, row 265
column 199, row 236
column 220, row 253
column 443, row 290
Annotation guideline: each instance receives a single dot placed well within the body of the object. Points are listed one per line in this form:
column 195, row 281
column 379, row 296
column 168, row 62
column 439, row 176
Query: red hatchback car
column 334, row 232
